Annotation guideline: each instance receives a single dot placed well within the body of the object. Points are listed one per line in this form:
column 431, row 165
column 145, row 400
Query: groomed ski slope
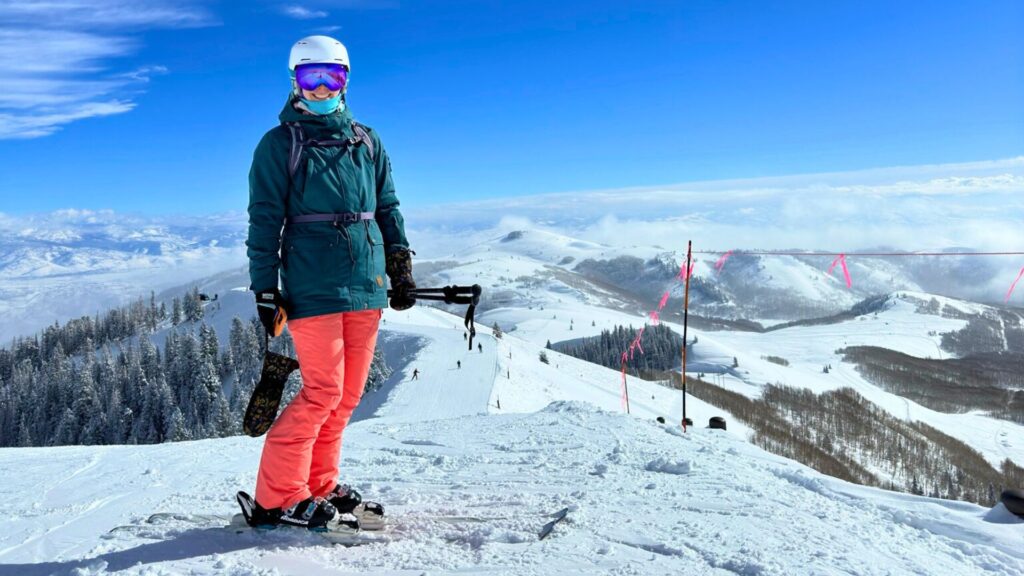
column 644, row 498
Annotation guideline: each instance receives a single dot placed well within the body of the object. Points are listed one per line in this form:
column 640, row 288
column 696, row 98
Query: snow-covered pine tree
column 176, row 315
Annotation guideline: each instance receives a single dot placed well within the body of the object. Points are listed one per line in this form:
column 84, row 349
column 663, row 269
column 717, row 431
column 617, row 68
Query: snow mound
column 669, row 466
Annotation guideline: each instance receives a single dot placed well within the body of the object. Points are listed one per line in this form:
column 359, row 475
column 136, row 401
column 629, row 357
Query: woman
column 327, row 180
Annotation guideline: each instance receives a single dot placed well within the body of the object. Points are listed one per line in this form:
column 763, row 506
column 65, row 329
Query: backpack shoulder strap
column 362, row 134
column 295, row 151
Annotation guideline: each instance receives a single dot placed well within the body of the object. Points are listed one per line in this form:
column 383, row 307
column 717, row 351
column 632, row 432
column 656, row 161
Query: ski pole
column 453, row 295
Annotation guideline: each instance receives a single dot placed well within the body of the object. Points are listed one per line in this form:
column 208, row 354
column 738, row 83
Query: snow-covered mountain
column 73, row 263
column 543, row 286
column 62, row 265
column 642, row 497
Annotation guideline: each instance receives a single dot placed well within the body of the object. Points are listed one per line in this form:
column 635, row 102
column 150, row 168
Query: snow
column 809, row 348
column 507, row 439
column 643, row 498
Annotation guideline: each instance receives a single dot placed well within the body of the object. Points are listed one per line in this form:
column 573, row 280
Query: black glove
column 399, row 270
column 270, row 306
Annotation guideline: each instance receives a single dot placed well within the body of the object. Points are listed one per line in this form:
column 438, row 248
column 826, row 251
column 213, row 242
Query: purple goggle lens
column 309, row 76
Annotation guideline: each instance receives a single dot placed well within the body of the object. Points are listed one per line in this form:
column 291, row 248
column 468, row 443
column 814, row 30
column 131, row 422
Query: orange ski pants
column 301, row 453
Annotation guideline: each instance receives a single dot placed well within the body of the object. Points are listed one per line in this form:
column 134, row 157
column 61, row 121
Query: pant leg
column 360, row 331
column 283, row 478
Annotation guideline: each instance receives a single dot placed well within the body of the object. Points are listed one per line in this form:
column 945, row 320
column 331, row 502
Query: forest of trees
column 661, row 350
column 840, row 433
column 102, row 380
column 993, row 382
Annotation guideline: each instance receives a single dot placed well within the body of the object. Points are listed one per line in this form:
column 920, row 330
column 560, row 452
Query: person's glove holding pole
column 270, row 306
column 399, row 270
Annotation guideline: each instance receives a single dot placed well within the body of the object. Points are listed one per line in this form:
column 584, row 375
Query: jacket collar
column 337, row 121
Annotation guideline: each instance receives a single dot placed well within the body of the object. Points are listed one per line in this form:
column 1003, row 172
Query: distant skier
column 458, row 364
column 344, row 185
column 480, row 347
column 465, row 336
column 416, row 374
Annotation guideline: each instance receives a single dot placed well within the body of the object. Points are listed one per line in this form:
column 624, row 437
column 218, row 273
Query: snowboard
column 347, row 531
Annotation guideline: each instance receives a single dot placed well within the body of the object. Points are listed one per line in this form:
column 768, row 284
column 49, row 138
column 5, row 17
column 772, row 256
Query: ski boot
column 312, row 513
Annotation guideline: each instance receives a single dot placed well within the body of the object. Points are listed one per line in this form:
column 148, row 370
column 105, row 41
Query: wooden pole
column 686, row 317
column 625, row 387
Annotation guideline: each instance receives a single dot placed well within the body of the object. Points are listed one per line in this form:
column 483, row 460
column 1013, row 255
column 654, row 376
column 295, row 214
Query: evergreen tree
column 154, row 314
column 118, row 420
column 193, row 306
column 208, row 343
column 223, row 423
column 67, row 429
column 379, row 371
column 176, row 428
column 88, row 421
column 24, row 434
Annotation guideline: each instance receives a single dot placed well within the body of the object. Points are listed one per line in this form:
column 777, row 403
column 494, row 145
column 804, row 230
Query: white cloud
column 978, row 205
column 72, row 47
column 144, row 73
column 36, row 125
column 74, row 14
column 302, row 13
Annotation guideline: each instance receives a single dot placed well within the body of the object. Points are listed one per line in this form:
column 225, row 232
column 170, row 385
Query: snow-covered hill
column 900, row 327
column 532, row 291
column 644, row 498
column 73, row 263
column 70, row 263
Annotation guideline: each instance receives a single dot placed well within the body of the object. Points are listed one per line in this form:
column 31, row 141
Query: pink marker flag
column 721, row 261
column 841, row 260
column 684, row 273
column 664, row 300
column 1014, row 285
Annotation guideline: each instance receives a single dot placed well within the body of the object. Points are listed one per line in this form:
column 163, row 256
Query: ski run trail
column 468, row 486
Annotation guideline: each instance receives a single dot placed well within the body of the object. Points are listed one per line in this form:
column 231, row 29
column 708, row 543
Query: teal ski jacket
column 324, row 267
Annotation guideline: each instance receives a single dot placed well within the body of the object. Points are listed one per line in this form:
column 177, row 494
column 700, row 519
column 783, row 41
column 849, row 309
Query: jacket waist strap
column 339, row 218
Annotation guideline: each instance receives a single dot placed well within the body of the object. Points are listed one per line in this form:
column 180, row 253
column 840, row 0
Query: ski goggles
column 310, row 76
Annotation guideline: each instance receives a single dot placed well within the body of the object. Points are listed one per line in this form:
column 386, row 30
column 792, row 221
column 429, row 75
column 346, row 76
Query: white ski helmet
column 318, row 50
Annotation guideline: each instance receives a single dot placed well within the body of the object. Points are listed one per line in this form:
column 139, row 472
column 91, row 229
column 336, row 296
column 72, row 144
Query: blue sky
column 155, row 107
